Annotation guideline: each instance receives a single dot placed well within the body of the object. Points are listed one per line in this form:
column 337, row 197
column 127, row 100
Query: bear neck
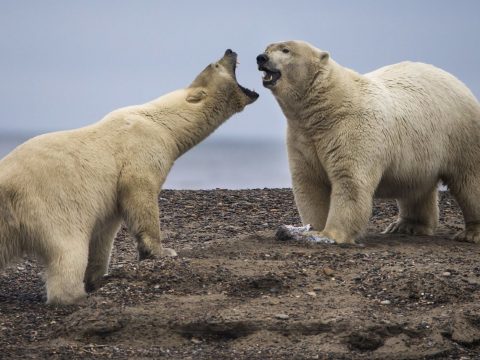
column 332, row 96
column 185, row 125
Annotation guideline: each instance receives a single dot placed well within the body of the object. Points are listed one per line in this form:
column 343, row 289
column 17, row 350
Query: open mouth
column 270, row 76
column 252, row 95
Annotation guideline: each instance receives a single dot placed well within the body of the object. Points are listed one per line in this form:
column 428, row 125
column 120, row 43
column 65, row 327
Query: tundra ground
column 235, row 292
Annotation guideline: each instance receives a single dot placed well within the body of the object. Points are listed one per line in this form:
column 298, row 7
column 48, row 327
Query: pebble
column 196, row 341
column 282, row 316
column 312, row 293
column 385, row 302
column 328, row 271
column 446, row 273
column 473, row 281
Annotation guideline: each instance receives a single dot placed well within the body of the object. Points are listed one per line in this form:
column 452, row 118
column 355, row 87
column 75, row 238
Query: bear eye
column 285, row 51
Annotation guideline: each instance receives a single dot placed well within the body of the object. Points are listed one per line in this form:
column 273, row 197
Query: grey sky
column 65, row 64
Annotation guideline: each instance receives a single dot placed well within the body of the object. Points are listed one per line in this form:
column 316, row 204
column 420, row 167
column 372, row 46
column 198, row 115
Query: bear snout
column 262, row 59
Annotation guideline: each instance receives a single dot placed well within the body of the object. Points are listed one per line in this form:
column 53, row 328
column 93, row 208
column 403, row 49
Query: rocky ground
column 236, row 292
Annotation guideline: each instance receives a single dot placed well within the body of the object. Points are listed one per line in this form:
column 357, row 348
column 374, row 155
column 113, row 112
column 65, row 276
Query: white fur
column 63, row 195
column 392, row 133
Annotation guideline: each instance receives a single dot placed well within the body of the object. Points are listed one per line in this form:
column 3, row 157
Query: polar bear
column 392, row 133
column 63, row 195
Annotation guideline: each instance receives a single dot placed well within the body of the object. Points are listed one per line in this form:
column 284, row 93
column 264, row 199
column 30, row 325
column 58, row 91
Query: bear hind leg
column 467, row 194
column 99, row 255
column 66, row 265
column 417, row 216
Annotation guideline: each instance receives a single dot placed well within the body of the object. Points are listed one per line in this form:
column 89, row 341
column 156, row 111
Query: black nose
column 228, row 52
column 262, row 59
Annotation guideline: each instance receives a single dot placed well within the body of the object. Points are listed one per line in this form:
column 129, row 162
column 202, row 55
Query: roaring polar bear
column 63, row 195
column 393, row 133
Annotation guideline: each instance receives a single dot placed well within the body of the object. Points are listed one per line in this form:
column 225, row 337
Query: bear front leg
column 312, row 195
column 312, row 199
column 138, row 198
column 350, row 209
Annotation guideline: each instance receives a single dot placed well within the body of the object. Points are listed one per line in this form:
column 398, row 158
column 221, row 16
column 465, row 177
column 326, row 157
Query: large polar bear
column 392, row 133
column 63, row 195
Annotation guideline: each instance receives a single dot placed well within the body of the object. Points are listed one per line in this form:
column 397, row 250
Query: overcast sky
column 65, row 64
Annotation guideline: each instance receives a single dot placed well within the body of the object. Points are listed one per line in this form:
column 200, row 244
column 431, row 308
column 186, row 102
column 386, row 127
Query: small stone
column 157, row 286
column 473, row 281
column 385, row 302
column 328, row 271
column 317, row 288
column 282, row 316
column 446, row 273
column 195, row 340
column 312, row 293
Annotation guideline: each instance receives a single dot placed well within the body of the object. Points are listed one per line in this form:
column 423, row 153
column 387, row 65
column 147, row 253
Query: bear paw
column 469, row 235
column 65, row 297
column 96, row 283
column 144, row 254
column 402, row 226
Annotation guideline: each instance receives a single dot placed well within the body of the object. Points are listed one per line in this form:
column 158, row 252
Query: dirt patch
column 237, row 292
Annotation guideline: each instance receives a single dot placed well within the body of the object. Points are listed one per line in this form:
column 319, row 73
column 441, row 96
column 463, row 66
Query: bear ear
column 196, row 95
column 324, row 56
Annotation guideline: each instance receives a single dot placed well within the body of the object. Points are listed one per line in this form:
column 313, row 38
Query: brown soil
column 236, row 292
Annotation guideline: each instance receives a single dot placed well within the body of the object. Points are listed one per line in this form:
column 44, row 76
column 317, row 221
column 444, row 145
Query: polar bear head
column 291, row 67
column 216, row 87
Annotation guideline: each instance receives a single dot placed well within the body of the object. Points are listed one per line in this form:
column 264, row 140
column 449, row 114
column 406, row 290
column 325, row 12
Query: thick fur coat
column 63, row 195
column 393, row 133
